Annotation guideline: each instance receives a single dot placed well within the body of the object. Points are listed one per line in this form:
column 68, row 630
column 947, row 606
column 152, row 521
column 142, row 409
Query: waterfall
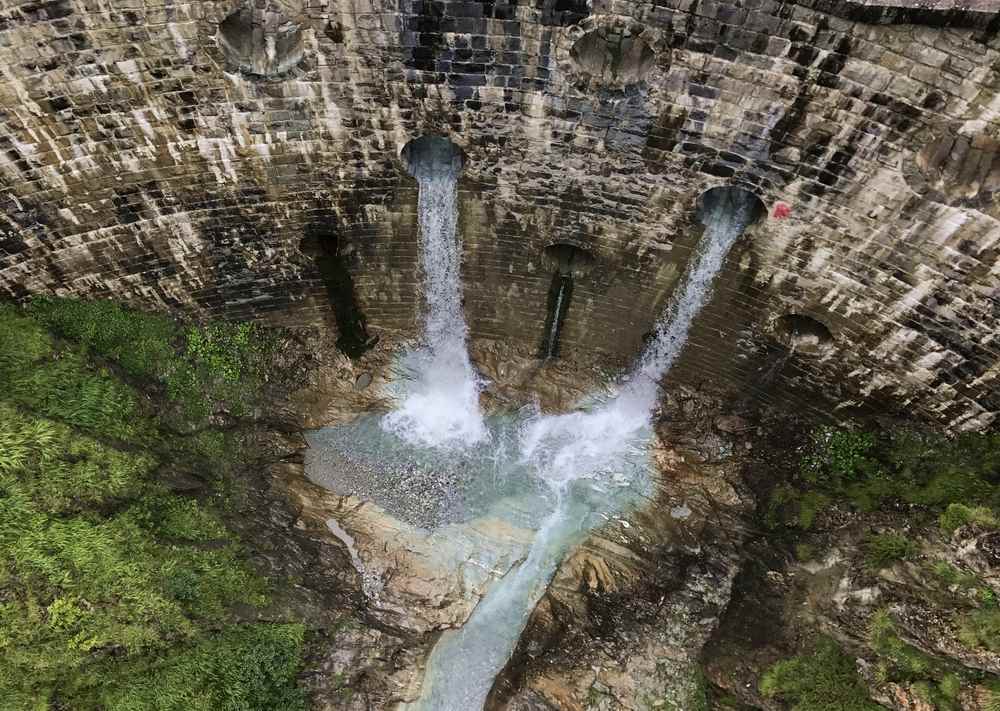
column 577, row 454
column 440, row 403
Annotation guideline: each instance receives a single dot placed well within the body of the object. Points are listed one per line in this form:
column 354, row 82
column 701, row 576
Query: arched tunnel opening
column 613, row 56
column 567, row 262
column 730, row 202
column 324, row 246
column 804, row 334
column 432, row 155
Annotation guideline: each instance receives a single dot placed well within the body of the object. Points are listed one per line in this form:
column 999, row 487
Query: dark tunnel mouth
column 568, row 259
column 431, row 151
column 323, row 247
column 805, row 334
column 731, row 197
column 244, row 36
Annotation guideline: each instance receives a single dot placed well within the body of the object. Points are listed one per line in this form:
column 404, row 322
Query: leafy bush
column 196, row 365
column 839, row 454
column 958, row 515
column 883, row 549
column 824, row 679
column 143, row 344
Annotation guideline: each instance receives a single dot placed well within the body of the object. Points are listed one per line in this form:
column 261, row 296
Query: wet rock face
column 625, row 619
column 176, row 156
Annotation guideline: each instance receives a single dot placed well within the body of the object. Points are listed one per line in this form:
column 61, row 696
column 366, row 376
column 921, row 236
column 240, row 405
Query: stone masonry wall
column 140, row 161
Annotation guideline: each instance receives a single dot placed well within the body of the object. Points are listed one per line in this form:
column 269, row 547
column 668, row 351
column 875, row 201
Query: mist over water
column 594, row 461
column 438, row 389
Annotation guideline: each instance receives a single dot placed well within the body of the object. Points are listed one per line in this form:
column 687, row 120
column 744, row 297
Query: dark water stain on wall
column 323, row 244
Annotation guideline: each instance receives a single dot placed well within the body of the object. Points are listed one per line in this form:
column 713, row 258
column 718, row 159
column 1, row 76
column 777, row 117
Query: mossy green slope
column 116, row 593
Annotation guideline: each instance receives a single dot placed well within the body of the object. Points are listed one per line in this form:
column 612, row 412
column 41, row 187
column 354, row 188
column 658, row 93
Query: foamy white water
column 588, row 458
column 439, row 402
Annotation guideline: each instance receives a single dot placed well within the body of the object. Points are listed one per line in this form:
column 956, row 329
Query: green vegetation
column 903, row 663
column 884, row 549
column 804, row 552
column 958, row 515
column 196, row 366
column 949, row 576
column 981, row 629
column 992, row 700
column 823, row 679
column 116, row 593
column 958, row 479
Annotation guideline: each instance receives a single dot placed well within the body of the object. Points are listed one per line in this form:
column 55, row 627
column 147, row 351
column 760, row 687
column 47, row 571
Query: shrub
column 948, row 575
column 245, row 668
column 958, row 515
column 196, row 366
column 981, row 629
column 839, row 454
column 928, row 469
column 883, row 549
column 904, row 662
column 141, row 343
column 824, row 679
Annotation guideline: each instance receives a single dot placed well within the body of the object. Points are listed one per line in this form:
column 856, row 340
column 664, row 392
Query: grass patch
column 948, row 576
column 958, row 515
column 980, row 629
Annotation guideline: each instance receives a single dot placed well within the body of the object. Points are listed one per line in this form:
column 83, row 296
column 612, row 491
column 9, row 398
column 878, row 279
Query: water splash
column 439, row 390
column 590, row 459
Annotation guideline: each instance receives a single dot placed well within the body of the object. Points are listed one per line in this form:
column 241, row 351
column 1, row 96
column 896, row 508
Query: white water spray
column 584, row 456
column 440, row 405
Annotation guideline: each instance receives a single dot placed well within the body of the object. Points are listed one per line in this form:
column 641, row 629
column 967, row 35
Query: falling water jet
column 439, row 398
column 591, row 461
column 562, row 286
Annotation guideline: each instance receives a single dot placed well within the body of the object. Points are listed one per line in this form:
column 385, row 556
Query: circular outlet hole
column 432, row 155
column 804, row 334
column 613, row 56
column 730, row 201
column 568, row 259
column 960, row 167
column 260, row 43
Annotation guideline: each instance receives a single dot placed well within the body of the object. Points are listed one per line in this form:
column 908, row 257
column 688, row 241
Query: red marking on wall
column 781, row 211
